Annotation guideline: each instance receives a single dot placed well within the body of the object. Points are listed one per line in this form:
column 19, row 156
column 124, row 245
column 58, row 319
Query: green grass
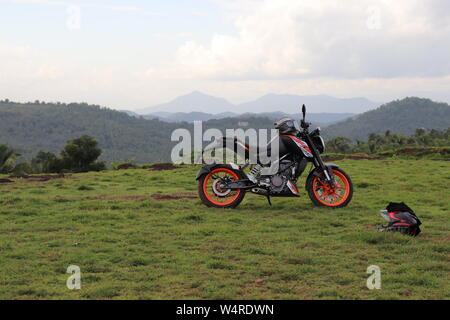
column 132, row 246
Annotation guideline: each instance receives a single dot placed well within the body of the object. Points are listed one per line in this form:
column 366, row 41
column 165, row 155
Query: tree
column 46, row 162
column 22, row 169
column 80, row 154
column 7, row 158
column 340, row 145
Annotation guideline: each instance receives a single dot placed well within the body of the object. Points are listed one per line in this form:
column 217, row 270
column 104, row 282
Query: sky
column 136, row 54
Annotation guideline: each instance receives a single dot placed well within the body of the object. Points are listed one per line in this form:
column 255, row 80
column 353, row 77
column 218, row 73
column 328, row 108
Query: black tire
column 208, row 201
column 317, row 202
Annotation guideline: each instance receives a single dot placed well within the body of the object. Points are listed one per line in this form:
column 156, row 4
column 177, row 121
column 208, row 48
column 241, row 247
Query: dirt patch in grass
column 40, row 178
column 157, row 196
column 163, row 166
column 174, row 196
column 126, row 166
column 6, row 181
column 423, row 151
column 131, row 198
column 352, row 157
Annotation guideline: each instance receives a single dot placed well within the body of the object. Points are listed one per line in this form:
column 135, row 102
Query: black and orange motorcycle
column 224, row 186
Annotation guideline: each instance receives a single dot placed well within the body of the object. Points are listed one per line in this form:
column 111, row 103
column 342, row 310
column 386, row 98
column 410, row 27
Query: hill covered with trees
column 32, row 127
column 399, row 116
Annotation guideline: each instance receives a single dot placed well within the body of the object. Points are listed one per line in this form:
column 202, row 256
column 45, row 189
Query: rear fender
column 210, row 167
column 233, row 144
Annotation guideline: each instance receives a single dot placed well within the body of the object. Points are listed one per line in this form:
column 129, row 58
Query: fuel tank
column 294, row 145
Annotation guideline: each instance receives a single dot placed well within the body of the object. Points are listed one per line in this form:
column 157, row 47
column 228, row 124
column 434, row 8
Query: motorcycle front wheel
column 322, row 195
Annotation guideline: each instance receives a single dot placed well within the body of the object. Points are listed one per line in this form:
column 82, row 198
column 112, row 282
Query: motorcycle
column 224, row 186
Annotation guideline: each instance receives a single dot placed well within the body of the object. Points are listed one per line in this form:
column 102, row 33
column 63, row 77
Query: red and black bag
column 401, row 218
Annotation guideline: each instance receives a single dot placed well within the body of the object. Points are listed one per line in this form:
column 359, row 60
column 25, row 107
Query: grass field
column 131, row 241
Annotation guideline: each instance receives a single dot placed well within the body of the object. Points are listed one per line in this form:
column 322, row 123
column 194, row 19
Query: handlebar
column 305, row 125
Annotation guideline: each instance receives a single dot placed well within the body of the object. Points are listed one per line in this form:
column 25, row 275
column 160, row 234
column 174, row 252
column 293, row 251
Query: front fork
column 318, row 162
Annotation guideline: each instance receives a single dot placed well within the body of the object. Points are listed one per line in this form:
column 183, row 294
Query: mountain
column 195, row 101
column 400, row 116
column 321, row 103
column 189, row 117
column 319, row 118
column 131, row 113
column 290, row 104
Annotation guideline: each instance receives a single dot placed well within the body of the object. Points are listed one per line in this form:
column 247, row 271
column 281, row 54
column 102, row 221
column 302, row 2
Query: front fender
column 316, row 171
column 210, row 167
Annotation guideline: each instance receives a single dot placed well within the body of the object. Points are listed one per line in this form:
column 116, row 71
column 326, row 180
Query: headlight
column 323, row 144
column 318, row 140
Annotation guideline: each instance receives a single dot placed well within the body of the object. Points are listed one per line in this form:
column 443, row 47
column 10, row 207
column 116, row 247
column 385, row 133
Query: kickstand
column 268, row 199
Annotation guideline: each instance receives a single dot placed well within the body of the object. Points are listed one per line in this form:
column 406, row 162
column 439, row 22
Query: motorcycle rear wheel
column 212, row 195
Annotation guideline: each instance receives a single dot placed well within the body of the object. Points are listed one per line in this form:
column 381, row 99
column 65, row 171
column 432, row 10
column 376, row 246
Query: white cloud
column 47, row 72
column 328, row 38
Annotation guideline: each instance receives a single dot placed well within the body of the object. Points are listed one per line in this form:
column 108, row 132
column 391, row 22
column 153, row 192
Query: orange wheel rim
column 212, row 191
column 332, row 197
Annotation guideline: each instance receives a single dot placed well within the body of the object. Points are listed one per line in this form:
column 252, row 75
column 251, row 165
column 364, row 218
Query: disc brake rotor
column 218, row 189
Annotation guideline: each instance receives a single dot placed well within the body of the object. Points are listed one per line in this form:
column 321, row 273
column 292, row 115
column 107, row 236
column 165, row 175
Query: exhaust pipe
column 260, row 191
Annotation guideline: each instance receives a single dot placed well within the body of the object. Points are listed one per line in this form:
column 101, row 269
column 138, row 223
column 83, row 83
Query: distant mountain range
column 202, row 103
column 193, row 102
column 189, row 116
column 319, row 118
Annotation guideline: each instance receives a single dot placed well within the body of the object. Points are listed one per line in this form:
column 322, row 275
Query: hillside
column 400, row 116
column 29, row 128
column 32, row 127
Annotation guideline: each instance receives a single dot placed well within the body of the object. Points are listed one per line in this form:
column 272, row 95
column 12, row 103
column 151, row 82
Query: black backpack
column 401, row 218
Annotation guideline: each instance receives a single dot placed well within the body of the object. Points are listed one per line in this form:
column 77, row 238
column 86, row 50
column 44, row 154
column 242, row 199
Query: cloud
column 282, row 39
column 47, row 72
column 380, row 49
